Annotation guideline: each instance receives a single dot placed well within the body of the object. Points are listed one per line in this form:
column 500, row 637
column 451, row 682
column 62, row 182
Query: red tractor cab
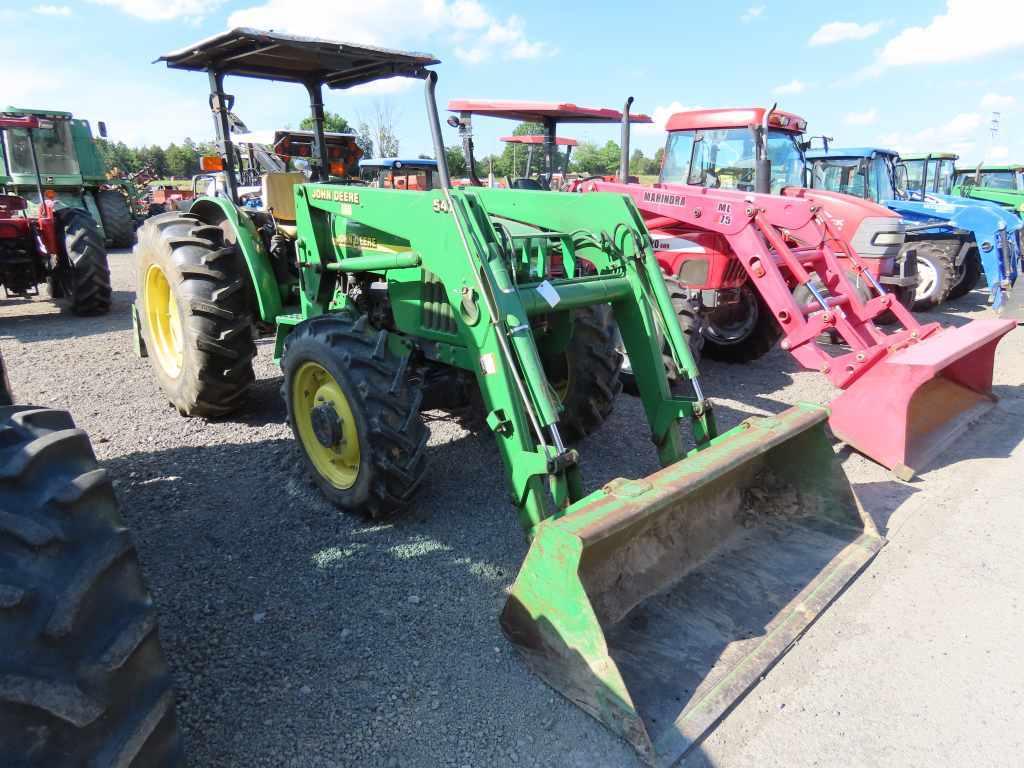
column 549, row 115
column 60, row 246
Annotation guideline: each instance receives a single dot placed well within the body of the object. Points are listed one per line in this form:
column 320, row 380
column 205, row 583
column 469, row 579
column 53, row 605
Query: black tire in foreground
column 355, row 414
column 742, row 332
column 193, row 313
column 967, row 275
column 83, row 680
column 82, row 273
column 585, row 375
column 116, row 217
column 937, row 275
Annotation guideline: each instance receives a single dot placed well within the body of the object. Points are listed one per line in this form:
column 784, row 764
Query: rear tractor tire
column 740, row 333
column 83, row 680
column 936, row 273
column 354, row 414
column 83, row 274
column 585, row 375
column 193, row 313
column 116, row 217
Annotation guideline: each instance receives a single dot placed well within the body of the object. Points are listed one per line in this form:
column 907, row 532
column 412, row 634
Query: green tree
column 183, row 159
column 364, row 138
column 596, row 161
column 333, row 123
column 457, row 165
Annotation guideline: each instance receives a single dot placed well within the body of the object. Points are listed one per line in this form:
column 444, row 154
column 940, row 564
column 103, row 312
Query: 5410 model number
column 440, row 205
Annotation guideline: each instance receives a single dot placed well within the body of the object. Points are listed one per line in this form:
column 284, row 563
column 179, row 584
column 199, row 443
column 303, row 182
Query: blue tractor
column 955, row 239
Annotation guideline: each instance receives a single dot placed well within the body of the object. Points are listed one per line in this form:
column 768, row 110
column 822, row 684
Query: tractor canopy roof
column 737, row 117
column 818, row 154
column 1005, row 167
column 539, row 111
column 50, row 113
column 273, row 56
column 561, row 141
column 932, row 155
column 419, row 163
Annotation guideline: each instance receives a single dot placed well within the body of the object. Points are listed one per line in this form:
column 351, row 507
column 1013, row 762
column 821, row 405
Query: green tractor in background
column 386, row 302
column 73, row 172
column 1002, row 184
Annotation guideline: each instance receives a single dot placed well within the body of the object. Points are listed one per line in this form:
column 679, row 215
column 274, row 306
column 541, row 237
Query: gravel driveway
column 302, row 637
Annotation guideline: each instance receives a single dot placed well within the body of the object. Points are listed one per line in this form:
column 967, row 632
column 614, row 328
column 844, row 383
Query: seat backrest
column 279, row 193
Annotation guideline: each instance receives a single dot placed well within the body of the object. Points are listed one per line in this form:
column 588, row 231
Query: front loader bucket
column 912, row 404
column 656, row 604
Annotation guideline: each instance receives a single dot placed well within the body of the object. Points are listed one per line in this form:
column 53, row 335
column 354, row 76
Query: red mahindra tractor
column 737, row 229
column 59, row 246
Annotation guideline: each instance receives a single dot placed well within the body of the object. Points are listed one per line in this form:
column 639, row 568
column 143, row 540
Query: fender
column 216, row 210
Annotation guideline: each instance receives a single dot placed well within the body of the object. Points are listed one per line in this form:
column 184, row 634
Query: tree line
column 182, row 160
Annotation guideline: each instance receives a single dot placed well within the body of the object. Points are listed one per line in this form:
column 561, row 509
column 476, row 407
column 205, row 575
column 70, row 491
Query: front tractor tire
column 967, row 275
column 740, row 332
column 82, row 275
column 193, row 314
column 83, row 680
column 354, row 414
column 116, row 217
column 585, row 375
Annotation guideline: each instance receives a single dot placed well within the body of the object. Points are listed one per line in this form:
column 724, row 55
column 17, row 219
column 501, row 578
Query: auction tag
column 549, row 294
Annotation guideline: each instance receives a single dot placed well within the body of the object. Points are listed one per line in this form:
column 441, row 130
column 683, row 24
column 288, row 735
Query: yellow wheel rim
column 325, row 425
column 164, row 322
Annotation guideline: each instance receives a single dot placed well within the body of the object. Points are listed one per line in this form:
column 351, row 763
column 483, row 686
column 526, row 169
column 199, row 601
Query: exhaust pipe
column 624, row 157
column 763, row 171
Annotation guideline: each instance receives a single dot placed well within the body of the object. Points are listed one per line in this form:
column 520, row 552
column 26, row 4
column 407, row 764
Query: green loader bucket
column 656, row 604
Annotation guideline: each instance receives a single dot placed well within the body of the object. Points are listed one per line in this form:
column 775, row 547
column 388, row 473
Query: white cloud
column 838, row 31
column 475, row 32
column 387, row 87
column 52, row 10
column 960, row 135
column 661, row 114
column 790, row 88
column 752, row 13
column 869, row 117
column 997, row 153
column 161, row 10
column 997, row 101
column 968, row 29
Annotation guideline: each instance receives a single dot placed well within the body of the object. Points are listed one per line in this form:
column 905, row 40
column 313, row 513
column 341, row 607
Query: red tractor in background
column 760, row 150
column 809, row 267
column 61, row 246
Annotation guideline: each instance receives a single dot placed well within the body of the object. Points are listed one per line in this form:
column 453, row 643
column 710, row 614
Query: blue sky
column 916, row 75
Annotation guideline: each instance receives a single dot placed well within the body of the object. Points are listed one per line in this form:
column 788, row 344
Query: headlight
column 887, row 238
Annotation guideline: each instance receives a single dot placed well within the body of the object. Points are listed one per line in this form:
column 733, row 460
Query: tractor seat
column 279, row 194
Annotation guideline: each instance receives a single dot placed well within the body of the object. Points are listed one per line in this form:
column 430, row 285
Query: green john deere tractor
column 635, row 600
column 1002, row 184
column 72, row 170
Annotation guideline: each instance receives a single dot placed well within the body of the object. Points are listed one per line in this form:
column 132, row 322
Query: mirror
column 102, row 128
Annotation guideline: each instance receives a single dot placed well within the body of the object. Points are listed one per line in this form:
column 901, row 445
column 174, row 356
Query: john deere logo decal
column 335, row 195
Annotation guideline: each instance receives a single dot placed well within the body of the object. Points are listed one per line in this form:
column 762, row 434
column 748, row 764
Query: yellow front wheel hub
column 166, row 340
column 325, row 425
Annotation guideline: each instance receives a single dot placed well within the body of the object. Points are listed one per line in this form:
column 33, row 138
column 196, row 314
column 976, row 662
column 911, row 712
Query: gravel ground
column 302, row 637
